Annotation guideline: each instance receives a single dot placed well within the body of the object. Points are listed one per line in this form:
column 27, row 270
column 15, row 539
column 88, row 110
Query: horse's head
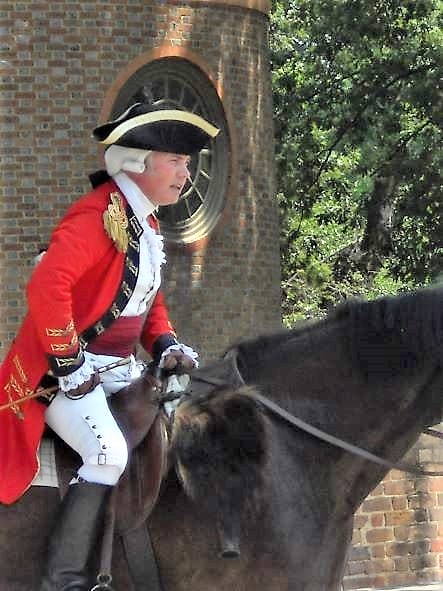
column 219, row 443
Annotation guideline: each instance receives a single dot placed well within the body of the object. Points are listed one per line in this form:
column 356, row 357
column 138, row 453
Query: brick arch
column 259, row 5
column 157, row 53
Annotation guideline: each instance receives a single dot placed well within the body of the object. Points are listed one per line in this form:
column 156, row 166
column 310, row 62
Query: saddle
column 145, row 428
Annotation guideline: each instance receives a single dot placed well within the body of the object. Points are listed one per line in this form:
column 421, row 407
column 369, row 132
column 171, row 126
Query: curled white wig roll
column 119, row 158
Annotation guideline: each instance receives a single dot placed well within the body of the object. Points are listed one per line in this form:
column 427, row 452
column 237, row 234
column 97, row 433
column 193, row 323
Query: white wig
column 118, row 158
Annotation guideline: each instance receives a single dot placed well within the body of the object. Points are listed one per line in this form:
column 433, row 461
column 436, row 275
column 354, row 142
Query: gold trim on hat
column 154, row 117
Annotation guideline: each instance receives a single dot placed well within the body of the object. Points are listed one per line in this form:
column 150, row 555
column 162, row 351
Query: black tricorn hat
column 152, row 127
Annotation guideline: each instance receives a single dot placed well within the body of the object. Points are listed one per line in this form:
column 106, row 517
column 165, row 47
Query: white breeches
column 87, row 424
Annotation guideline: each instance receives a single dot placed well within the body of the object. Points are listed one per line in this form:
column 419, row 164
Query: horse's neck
column 317, row 372
column 320, row 384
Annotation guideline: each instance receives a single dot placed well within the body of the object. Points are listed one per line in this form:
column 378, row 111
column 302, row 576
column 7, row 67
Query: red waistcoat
column 81, row 285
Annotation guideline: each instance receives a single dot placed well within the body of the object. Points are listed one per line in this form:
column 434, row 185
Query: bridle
column 275, row 410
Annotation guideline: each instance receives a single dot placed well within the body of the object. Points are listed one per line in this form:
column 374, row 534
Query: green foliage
column 357, row 94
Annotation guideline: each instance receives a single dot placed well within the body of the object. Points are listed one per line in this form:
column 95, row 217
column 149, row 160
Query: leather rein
column 293, row 421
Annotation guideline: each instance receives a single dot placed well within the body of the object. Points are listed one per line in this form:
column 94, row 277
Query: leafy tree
column 357, row 92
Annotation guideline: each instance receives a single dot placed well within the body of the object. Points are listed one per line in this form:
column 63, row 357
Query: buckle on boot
column 103, row 583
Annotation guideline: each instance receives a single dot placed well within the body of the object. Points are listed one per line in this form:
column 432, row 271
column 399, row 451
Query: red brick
column 396, row 475
column 399, row 503
column 399, row 487
column 376, row 504
column 360, row 521
column 397, row 549
column 357, row 582
column 378, row 520
column 378, row 550
column 380, row 566
column 422, row 562
column 399, row 517
column 437, row 545
column 379, row 535
column 436, row 514
column 396, row 579
column 422, row 500
column 401, row 564
column 436, row 484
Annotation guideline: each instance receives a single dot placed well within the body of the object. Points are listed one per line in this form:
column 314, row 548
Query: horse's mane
column 396, row 333
column 384, row 335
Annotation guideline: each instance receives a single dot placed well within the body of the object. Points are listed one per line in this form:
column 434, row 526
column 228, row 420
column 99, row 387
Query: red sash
column 120, row 338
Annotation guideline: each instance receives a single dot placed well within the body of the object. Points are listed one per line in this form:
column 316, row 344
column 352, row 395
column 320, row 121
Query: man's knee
column 112, row 447
column 109, row 463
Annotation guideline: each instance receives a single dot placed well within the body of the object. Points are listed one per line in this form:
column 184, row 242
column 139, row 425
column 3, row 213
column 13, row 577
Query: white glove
column 187, row 351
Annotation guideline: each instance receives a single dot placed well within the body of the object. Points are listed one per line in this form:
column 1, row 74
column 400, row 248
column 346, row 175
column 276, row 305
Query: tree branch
column 401, row 146
column 349, row 125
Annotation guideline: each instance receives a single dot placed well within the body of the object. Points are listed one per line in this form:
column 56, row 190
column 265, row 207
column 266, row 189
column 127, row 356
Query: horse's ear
column 223, row 373
column 231, row 357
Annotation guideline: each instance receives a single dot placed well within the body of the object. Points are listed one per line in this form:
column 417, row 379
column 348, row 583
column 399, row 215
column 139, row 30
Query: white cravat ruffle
column 152, row 255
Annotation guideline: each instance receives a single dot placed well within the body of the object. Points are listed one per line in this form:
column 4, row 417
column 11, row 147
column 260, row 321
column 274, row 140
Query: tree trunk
column 376, row 242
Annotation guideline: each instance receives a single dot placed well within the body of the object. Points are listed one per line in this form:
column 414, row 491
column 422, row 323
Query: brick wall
column 398, row 533
column 58, row 62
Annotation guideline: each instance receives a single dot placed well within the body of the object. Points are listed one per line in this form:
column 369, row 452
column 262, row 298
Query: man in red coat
column 93, row 296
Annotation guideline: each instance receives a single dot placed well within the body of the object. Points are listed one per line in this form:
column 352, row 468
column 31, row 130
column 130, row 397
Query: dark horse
column 369, row 373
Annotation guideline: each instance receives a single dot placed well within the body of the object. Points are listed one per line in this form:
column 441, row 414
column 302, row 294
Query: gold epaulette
column 115, row 222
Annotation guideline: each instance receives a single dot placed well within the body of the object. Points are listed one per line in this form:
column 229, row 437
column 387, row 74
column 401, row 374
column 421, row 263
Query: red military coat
column 81, row 285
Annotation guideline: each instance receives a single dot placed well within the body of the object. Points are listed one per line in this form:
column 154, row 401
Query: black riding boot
column 74, row 535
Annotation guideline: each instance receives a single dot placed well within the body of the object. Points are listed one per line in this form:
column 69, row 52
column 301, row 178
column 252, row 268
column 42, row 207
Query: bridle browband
column 264, row 403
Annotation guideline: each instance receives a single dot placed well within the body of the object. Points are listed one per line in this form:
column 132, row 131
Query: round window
column 179, row 84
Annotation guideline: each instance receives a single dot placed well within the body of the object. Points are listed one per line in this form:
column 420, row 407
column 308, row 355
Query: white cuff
column 77, row 377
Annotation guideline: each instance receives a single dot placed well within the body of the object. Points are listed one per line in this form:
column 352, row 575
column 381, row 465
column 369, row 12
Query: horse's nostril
column 230, row 550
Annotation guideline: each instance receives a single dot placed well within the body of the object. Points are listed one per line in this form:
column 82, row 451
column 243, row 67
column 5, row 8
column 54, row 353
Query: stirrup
column 103, row 583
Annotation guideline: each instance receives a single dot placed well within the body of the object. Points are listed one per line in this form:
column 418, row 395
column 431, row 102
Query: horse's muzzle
column 230, row 549
column 229, row 538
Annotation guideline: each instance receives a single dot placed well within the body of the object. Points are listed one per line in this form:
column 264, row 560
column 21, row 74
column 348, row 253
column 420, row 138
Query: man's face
column 164, row 177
